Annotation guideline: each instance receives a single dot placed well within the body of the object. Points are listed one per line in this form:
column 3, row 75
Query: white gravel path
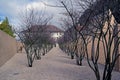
column 54, row 66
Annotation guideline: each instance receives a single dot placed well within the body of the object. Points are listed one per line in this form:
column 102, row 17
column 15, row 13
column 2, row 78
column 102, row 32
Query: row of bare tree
column 92, row 22
column 32, row 33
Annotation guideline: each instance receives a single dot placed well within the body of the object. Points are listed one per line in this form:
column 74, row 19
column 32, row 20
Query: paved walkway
column 54, row 66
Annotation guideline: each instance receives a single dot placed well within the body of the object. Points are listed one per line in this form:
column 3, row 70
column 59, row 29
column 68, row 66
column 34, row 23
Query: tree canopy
column 5, row 26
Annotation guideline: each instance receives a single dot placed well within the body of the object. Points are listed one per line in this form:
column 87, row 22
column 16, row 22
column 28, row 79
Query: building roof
column 52, row 28
column 43, row 28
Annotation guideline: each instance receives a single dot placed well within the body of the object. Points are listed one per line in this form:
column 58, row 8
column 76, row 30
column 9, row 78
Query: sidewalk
column 55, row 65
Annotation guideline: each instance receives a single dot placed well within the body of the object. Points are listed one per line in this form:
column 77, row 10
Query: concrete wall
column 7, row 47
column 102, row 55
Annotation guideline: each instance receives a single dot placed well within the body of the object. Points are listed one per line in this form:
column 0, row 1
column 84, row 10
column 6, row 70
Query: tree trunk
column 29, row 60
column 117, row 51
column 72, row 55
column 80, row 62
column 77, row 60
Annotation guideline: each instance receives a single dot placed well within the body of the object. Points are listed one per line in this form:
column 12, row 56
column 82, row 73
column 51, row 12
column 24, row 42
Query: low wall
column 7, row 47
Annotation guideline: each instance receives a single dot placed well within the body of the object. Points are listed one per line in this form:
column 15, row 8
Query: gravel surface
column 55, row 65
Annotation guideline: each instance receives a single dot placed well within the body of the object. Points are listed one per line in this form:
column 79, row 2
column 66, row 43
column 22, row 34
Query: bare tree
column 97, row 18
column 70, row 36
column 74, row 14
column 32, row 27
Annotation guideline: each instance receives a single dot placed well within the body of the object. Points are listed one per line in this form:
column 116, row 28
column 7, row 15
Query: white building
column 55, row 32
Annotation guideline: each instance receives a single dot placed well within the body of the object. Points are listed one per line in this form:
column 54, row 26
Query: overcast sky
column 12, row 8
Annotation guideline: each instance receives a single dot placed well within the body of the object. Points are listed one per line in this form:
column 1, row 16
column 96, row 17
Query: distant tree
column 73, row 27
column 5, row 26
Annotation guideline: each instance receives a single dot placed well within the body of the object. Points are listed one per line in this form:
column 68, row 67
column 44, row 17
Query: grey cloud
column 11, row 9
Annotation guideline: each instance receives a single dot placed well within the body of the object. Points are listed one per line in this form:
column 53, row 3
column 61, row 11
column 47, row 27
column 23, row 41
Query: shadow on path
column 55, row 65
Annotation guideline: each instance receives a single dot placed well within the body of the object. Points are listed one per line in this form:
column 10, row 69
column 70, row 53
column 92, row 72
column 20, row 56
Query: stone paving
column 55, row 65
